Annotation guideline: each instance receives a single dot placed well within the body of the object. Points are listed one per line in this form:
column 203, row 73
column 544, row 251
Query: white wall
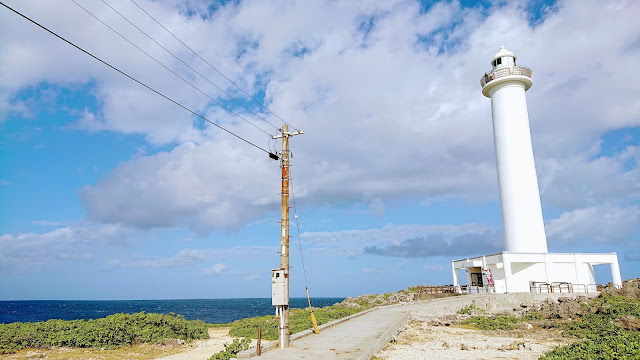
column 523, row 273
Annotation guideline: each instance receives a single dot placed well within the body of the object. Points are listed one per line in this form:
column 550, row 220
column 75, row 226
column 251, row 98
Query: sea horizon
column 214, row 311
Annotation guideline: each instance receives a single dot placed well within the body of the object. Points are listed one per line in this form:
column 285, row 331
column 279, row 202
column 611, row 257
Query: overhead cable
column 168, row 69
column 187, row 65
column 295, row 212
column 211, row 66
column 271, row 155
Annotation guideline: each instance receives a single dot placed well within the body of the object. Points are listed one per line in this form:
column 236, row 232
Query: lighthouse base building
column 525, row 265
column 533, row 272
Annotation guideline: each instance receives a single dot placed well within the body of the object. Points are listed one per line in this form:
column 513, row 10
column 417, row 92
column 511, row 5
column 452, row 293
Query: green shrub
column 110, row 332
column 230, row 350
column 467, row 309
column 299, row 320
column 601, row 336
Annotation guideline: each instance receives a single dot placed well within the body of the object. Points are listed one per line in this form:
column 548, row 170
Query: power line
column 211, row 66
column 168, row 69
column 295, row 212
column 187, row 65
column 271, row 155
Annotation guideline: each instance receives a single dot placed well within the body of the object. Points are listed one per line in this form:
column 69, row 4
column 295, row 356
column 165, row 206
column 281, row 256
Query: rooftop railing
column 505, row 71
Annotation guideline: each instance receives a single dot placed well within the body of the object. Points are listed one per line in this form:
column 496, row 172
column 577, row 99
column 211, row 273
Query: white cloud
column 406, row 241
column 432, row 267
column 386, row 115
column 33, row 251
column 214, row 270
column 187, row 257
column 600, row 224
column 207, row 186
column 387, row 234
column 4, row 182
column 584, row 180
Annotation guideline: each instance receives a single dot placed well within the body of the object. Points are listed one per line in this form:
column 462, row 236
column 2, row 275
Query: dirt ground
column 421, row 339
column 197, row 350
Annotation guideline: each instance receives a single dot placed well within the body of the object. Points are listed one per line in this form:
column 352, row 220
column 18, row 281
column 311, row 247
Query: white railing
column 505, row 71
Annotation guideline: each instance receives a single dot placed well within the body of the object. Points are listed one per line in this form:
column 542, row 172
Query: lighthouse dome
column 503, row 57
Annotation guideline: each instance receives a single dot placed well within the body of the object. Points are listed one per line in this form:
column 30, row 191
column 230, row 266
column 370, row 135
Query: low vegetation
column 299, row 320
column 611, row 331
column 109, row 332
column 116, row 331
column 230, row 350
column 493, row 323
column 468, row 309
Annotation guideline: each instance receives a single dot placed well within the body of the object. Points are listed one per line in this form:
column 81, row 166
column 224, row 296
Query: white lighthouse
column 525, row 265
column 521, row 211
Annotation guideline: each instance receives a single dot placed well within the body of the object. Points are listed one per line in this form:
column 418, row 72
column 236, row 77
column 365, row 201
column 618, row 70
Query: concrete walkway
column 354, row 339
column 363, row 336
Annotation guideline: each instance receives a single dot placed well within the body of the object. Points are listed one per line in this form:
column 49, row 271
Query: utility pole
column 280, row 277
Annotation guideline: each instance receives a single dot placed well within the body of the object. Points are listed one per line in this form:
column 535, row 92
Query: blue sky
column 110, row 192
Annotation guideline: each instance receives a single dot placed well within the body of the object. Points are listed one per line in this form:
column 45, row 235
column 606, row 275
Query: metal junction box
column 279, row 288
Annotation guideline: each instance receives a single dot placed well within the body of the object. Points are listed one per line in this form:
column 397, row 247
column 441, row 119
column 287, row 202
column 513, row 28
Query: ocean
column 215, row 311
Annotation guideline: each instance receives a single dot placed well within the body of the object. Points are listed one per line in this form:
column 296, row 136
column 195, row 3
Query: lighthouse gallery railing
column 505, row 71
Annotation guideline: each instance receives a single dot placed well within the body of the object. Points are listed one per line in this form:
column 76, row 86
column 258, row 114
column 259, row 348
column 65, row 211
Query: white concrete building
column 525, row 265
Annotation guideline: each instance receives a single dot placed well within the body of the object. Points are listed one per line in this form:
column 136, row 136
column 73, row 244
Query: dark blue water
column 215, row 311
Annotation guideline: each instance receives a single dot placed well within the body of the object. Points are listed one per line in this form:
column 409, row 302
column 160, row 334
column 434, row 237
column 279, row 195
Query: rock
column 629, row 322
column 516, row 345
column 525, row 326
column 630, row 289
column 445, row 345
column 524, row 306
column 464, row 347
column 564, row 299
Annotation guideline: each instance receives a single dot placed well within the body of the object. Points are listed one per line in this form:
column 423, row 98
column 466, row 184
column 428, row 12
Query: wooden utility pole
column 282, row 307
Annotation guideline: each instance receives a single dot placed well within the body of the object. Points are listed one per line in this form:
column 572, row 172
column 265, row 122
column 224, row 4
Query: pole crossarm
column 287, row 134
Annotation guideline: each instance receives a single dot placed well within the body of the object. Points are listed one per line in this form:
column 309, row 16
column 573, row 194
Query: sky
column 109, row 191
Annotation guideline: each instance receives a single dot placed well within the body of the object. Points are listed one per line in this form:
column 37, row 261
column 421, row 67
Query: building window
column 498, row 61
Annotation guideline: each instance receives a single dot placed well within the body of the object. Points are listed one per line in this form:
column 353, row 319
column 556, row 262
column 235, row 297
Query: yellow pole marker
column 313, row 317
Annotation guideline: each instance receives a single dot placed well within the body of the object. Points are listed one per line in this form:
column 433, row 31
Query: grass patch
column 493, row 323
column 110, row 332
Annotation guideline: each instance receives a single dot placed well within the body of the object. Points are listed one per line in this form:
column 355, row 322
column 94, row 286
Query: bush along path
column 109, row 332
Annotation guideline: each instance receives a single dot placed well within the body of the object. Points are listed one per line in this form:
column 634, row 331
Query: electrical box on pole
column 279, row 288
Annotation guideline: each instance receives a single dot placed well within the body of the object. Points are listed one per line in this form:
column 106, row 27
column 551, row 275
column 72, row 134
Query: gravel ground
column 423, row 340
column 203, row 349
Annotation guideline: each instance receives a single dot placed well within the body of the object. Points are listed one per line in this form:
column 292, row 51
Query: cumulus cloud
column 186, row 257
column 407, row 241
column 600, row 224
column 206, row 186
column 214, row 270
column 438, row 244
column 31, row 251
column 585, row 179
column 386, row 92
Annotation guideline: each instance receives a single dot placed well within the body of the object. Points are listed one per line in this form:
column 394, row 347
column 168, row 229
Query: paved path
column 363, row 336
column 350, row 340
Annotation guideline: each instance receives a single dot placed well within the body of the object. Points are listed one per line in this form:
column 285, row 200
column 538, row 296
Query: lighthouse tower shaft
column 519, row 195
